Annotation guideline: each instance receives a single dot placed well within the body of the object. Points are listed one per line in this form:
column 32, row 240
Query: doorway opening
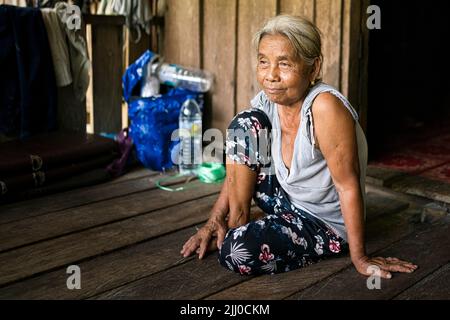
column 408, row 127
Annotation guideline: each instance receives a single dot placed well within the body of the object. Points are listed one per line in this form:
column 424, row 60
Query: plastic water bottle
column 190, row 123
column 196, row 80
column 150, row 82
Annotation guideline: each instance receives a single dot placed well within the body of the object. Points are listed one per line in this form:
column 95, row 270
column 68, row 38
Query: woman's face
column 283, row 77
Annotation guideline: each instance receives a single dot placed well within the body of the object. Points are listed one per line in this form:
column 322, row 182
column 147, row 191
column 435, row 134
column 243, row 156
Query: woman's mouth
column 273, row 90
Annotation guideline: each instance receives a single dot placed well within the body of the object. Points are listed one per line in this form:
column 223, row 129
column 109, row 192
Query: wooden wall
column 216, row 35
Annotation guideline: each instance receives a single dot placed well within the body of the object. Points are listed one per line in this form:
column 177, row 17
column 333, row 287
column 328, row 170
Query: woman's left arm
column 336, row 137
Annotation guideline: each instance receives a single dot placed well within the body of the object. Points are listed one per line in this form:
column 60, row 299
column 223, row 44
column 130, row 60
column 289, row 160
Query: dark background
column 409, row 64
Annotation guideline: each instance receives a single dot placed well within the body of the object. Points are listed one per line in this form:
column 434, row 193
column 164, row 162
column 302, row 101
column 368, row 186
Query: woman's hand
column 203, row 241
column 367, row 266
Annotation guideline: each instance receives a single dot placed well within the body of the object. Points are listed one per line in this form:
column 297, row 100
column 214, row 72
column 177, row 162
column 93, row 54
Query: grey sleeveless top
column 308, row 183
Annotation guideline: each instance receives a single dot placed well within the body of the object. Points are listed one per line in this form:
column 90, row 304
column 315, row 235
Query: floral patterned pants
column 287, row 238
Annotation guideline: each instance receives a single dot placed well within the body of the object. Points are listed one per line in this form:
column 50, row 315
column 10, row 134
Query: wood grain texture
column 435, row 286
column 329, row 21
column 47, row 226
column 363, row 99
column 423, row 187
column 73, row 198
column 192, row 280
column 105, row 272
column 428, row 249
column 182, row 33
column 252, row 14
column 298, row 7
column 107, row 57
column 351, row 59
column 219, row 57
column 33, row 259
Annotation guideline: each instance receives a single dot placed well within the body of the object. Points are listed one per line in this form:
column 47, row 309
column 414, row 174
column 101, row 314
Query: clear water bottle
column 190, row 123
column 196, row 80
column 149, row 83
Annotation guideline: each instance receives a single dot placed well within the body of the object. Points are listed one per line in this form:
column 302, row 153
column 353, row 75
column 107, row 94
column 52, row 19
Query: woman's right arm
column 215, row 226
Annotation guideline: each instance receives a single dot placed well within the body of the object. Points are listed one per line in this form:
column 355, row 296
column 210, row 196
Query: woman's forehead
column 276, row 45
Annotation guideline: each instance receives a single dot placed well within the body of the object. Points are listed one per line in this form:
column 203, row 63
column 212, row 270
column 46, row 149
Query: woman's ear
column 315, row 70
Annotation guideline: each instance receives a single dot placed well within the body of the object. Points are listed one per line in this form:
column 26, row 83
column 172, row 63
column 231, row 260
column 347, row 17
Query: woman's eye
column 284, row 64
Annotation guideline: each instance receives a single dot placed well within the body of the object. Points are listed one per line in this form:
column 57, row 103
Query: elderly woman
column 310, row 184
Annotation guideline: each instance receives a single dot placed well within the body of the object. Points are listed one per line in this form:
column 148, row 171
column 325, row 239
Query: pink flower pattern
column 265, row 256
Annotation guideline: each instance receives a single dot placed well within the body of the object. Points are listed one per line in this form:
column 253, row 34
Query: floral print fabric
column 287, row 238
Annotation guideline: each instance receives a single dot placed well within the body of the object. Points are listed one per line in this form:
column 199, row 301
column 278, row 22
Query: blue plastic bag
column 152, row 120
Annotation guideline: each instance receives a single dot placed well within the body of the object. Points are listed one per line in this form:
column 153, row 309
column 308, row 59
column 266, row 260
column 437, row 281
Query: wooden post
column 107, row 59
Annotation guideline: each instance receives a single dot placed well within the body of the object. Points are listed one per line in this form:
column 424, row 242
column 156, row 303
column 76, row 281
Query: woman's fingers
column 186, row 244
column 394, row 265
column 220, row 237
column 204, row 244
column 190, row 246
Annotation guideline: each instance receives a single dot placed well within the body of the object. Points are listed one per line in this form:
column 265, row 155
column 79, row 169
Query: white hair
column 303, row 35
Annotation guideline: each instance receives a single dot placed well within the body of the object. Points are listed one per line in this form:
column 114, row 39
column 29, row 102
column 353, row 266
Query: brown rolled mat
column 51, row 150
column 85, row 179
column 38, row 179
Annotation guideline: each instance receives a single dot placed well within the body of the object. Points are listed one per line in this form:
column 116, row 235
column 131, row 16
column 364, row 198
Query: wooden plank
column 106, row 271
column 381, row 232
column 201, row 279
column 428, row 249
column 435, row 286
column 298, row 7
column 328, row 19
column 364, row 67
column 351, row 64
column 382, row 177
column 252, row 14
column 378, row 205
column 192, row 280
column 47, row 226
column 182, row 33
column 424, row 187
column 99, row 19
column 33, row 259
column 73, row 198
column 107, row 59
column 219, row 29
column 135, row 173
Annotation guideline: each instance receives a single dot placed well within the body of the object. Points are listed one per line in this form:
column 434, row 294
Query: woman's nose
column 273, row 74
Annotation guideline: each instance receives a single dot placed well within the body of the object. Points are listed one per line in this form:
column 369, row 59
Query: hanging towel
column 58, row 45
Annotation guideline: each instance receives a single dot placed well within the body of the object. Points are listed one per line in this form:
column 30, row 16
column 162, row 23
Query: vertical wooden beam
column 107, row 58
column 329, row 21
column 363, row 66
column 252, row 14
column 298, row 7
column 219, row 57
column 351, row 33
column 182, row 33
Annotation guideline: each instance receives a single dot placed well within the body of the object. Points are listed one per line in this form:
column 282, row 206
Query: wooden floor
column 126, row 235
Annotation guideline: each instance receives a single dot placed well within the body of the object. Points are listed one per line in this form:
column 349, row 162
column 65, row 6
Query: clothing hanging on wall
column 27, row 86
column 69, row 57
column 138, row 14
